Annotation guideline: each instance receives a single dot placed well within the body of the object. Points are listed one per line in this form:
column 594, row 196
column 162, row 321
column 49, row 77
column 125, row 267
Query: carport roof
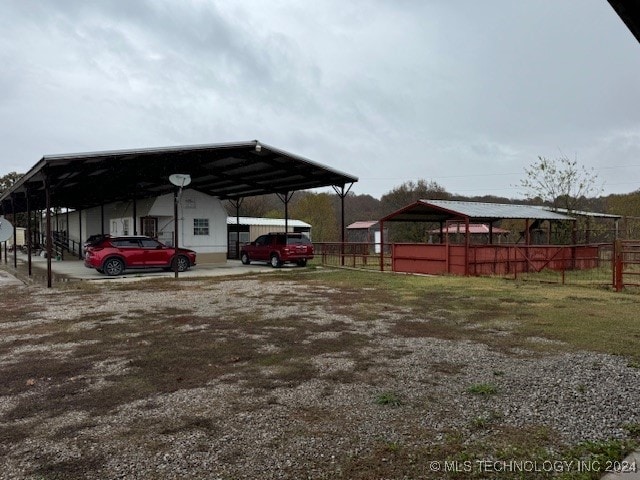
column 225, row 170
column 629, row 13
column 443, row 210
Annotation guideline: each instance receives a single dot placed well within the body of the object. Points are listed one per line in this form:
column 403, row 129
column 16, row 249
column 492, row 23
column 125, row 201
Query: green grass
column 588, row 318
column 483, row 389
column 388, row 398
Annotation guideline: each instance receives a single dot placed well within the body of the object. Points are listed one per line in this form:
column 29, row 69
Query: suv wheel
column 113, row 267
column 244, row 258
column 275, row 261
column 302, row 263
column 182, row 262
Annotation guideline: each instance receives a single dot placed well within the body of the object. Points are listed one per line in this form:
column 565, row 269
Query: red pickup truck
column 277, row 249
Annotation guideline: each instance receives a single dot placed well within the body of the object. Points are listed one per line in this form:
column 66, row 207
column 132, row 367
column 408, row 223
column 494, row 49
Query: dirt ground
column 288, row 376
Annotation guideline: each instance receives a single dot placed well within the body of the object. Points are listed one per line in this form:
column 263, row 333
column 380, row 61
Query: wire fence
column 594, row 267
column 354, row 255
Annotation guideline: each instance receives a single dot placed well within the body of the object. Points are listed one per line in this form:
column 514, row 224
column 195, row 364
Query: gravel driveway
column 229, row 378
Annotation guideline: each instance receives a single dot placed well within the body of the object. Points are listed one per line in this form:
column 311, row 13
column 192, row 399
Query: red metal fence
column 355, row 255
column 614, row 265
column 626, row 267
column 492, row 259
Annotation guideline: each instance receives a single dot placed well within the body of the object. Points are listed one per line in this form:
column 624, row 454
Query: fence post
column 617, row 266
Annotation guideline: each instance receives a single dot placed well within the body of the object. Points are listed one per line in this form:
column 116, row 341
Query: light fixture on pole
column 180, row 180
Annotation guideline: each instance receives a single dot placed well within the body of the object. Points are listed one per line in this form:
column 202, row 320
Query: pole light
column 180, row 180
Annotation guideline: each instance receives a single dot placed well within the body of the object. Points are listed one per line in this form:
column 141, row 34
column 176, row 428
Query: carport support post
column 29, row 240
column 135, row 217
column 4, row 212
column 80, row 242
column 342, row 193
column 286, row 215
column 66, row 236
column 175, row 232
column 381, row 246
column 237, row 203
column 47, row 196
column 285, row 198
column 101, row 219
column 15, row 231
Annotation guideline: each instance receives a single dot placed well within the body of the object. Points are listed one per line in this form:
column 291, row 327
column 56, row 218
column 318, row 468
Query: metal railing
column 626, row 264
column 354, row 255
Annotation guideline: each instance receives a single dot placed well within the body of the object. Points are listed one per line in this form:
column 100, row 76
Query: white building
column 202, row 223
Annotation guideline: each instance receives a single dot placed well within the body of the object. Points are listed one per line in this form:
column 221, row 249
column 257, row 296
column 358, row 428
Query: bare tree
column 561, row 183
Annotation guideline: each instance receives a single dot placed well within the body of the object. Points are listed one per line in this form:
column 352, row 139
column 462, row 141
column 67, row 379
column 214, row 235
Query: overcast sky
column 463, row 92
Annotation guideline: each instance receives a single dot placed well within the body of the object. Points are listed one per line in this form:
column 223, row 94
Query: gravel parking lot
column 270, row 376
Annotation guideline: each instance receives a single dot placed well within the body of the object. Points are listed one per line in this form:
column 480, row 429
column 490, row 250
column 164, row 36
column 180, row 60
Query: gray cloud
column 466, row 93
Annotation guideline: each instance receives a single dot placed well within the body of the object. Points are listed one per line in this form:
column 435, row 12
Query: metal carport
column 230, row 171
column 441, row 211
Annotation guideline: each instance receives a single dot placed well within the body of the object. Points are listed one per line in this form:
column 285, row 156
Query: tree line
column 560, row 183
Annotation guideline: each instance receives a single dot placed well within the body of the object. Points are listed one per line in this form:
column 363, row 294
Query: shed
column 478, row 232
column 366, row 231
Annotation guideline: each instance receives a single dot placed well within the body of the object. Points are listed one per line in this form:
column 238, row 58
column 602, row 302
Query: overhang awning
column 629, row 13
column 227, row 171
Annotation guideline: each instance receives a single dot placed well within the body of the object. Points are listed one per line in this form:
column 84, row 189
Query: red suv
column 113, row 255
column 278, row 248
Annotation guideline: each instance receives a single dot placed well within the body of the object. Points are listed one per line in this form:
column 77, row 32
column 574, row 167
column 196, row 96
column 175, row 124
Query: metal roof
column 269, row 222
column 443, row 210
column 582, row 213
column 362, row 224
column 224, row 170
column 629, row 13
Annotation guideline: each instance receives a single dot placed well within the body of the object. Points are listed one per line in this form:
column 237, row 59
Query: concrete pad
column 73, row 269
column 7, row 279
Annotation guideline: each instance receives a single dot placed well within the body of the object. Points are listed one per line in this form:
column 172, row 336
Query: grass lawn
column 583, row 317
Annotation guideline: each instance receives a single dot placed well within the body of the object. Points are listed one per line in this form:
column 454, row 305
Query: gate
column 627, row 264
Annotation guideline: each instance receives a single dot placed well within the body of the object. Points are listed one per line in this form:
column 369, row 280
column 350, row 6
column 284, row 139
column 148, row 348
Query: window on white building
column 201, row 226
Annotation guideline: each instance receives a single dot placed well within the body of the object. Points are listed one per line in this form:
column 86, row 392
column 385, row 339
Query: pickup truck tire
column 302, row 263
column 275, row 261
column 244, row 258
